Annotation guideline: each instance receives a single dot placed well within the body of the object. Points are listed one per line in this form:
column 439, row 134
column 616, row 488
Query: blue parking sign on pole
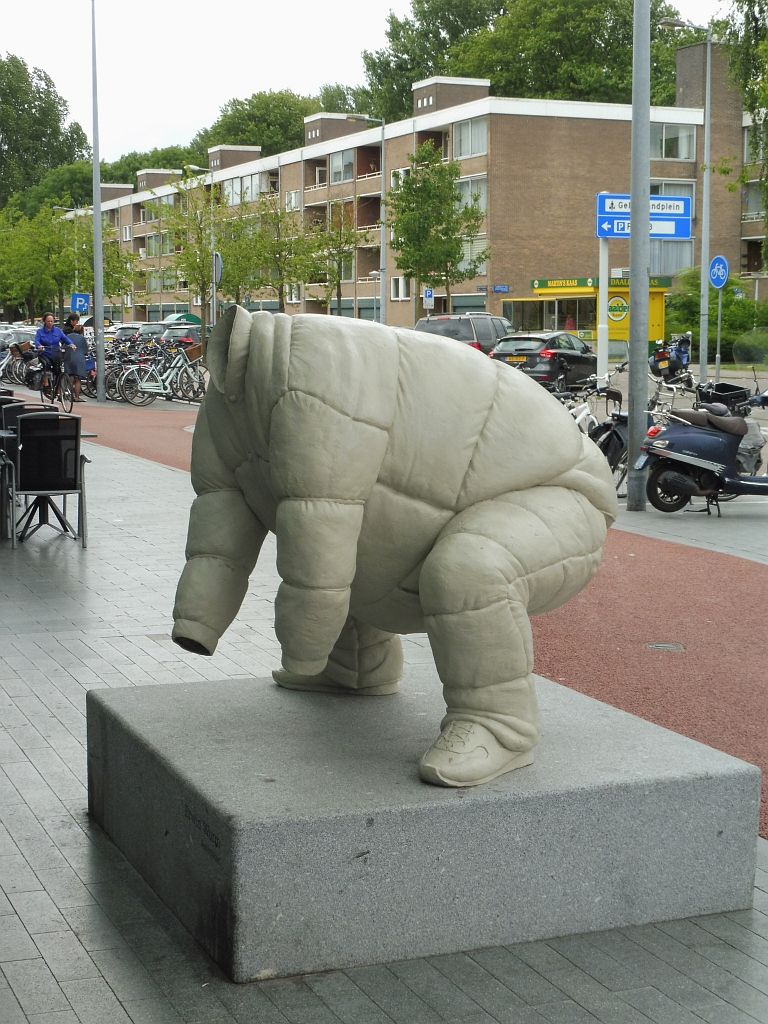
column 718, row 272
column 79, row 303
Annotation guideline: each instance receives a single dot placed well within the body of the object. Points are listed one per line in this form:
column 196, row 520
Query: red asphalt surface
column 647, row 591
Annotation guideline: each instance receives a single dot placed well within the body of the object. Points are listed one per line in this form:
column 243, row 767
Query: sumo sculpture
column 413, row 484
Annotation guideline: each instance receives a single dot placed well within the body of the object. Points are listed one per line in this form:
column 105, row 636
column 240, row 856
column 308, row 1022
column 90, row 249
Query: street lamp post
column 376, row 275
column 98, row 256
column 381, row 275
column 640, row 248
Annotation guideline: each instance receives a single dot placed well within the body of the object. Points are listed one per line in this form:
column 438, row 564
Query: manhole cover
column 676, row 648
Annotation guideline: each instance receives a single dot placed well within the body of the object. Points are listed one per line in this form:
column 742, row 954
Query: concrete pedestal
column 290, row 832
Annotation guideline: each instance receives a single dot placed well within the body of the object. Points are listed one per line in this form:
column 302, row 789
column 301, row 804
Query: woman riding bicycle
column 49, row 342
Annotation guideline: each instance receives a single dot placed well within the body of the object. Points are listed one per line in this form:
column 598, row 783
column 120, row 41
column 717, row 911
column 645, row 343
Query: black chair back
column 48, row 453
column 5, row 392
column 6, row 398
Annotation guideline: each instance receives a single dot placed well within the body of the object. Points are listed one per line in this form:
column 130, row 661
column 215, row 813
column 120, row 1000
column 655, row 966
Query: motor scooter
column 702, row 453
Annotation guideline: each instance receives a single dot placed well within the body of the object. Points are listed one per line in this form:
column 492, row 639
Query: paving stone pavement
column 82, row 938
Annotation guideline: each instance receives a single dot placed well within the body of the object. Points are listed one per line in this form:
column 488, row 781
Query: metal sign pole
column 719, row 323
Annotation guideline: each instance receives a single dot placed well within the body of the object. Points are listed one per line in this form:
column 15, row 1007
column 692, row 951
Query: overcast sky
column 165, row 69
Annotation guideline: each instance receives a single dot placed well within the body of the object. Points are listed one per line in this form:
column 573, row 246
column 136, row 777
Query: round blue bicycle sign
column 718, row 271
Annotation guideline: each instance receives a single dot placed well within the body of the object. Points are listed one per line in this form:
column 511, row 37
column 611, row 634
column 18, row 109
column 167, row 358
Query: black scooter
column 703, row 453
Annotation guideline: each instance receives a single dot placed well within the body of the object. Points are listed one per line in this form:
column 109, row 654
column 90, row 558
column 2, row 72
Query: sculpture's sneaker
column 467, row 754
column 323, row 684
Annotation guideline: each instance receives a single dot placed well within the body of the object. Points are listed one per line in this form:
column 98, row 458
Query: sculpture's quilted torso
column 323, row 420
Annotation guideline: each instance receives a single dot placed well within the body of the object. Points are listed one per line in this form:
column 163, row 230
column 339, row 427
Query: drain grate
column 674, row 647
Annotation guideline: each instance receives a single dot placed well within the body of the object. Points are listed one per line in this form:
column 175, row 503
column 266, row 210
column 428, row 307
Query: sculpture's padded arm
column 223, row 543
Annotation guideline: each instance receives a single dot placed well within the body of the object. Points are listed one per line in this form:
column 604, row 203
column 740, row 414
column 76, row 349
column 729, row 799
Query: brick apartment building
column 537, row 165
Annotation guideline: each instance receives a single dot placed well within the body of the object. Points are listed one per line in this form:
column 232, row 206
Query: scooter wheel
column 661, row 495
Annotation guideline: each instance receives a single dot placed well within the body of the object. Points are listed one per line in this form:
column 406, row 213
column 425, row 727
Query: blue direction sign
column 79, row 303
column 718, row 271
column 670, row 216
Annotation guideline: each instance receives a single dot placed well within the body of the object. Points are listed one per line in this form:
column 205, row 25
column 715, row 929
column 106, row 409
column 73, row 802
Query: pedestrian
column 69, row 323
column 75, row 357
column 49, row 342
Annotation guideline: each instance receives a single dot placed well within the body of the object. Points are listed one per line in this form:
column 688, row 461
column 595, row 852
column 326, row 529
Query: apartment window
column 668, row 258
column 398, row 175
column 127, row 233
column 128, row 300
column 752, row 206
column 293, row 293
column 153, row 245
column 470, row 138
column 753, row 147
column 400, row 288
column 471, row 249
column 673, row 142
column 471, row 187
column 684, row 189
column 348, row 267
column 342, row 165
column 232, row 190
column 293, row 200
column 170, row 281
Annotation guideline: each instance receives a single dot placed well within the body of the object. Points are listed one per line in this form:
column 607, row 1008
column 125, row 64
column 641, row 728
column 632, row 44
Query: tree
column 272, row 120
column 335, row 249
column 193, row 221
column 417, row 47
column 568, row 49
column 285, row 254
column 68, row 185
column 33, row 133
column 432, row 229
column 748, row 38
column 124, row 170
column 344, row 99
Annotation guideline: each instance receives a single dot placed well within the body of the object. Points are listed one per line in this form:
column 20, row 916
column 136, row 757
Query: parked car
column 547, row 355
column 149, row 332
column 126, row 333
column 182, row 334
column 479, row 330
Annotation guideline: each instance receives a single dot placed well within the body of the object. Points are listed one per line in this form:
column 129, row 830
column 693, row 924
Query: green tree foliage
column 193, row 221
column 272, row 120
column 431, row 228
column 123, row 171
column 344, row 99
column 68, row 185
column 284, row 252
column 739, row 313
column 417, row 47
column 748, row 37
column 335, row 247
column 568, row 49
column 34, row 136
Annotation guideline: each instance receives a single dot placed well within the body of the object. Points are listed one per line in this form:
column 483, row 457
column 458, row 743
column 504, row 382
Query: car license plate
column 517, row 359
column 663, row 364
column 641, row 462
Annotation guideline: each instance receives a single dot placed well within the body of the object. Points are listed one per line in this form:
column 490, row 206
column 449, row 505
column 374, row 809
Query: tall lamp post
column 705, row 194
column 639, row 248
column 98, row 255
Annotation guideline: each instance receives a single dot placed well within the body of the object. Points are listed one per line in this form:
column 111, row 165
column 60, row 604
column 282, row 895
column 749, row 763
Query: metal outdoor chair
column 48, row 464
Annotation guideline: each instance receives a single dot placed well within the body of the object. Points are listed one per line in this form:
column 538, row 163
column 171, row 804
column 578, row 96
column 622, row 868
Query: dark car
column 182, row 334
column 126, row 333
column 548, row 355
column 480, row 330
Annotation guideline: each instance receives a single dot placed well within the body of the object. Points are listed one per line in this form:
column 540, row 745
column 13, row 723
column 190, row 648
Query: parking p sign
column 429, row 298
column 79, row 303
